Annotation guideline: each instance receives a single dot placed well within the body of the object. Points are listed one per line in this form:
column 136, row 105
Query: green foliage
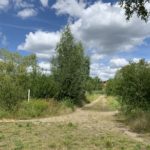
column 113, row 103
column 132, row 85
column 110, row 87
column 34, row 108
column 70, row 68
column 138, row 7
column 16, row 79
column 11, row 93
column 43, row 86
column 91, row 96
column 93, row 84
column 68, row 103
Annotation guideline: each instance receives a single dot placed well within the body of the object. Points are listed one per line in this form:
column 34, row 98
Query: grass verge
column 138, row 121
column 39, row 108
column 92, row 95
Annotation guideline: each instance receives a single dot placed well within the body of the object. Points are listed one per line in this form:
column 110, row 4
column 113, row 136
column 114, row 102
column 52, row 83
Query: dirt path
column 88, row 117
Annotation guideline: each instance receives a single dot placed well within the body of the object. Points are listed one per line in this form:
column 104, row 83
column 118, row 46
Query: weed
column 19, row 145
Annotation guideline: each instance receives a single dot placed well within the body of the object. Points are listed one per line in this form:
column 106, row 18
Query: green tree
column 93, row 84
column 70, row 68
column 135, row 6
column 132, row 85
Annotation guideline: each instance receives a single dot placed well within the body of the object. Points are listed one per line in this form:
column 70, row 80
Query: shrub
column 34, row 108
column 68, row 103
column 11, row 93
column 132, row 85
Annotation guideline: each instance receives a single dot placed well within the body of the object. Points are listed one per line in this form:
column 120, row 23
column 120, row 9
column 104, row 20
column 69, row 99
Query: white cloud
column 104, row 72
column 22, row 4
column 4, row 4
column 96, row 57
column 3, row 39
column 44, row 3
column 108, row 70
column 45, row 67
column 42, row 43
column 72, row 7
column 136, row 60
column 103, row 27
column 118, row 62
column 26, row 13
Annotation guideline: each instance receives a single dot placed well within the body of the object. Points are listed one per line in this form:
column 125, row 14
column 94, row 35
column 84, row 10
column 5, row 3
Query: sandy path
column 102, row 119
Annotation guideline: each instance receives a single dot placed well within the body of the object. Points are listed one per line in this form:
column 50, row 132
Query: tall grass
column 91, row 96
column 137, row 120
column 38, row 108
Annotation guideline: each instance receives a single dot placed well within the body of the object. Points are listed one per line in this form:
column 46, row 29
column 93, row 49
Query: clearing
column 93, row 127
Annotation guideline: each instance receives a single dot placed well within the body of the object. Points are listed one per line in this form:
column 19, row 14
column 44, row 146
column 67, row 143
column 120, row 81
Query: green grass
column 38, row 108
column 66, row 136
column 92, row 96
column 113, row 103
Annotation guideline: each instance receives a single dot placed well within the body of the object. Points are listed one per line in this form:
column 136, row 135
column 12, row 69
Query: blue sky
column 35, row 26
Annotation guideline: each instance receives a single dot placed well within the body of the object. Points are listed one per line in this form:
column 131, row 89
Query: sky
column 35, row 26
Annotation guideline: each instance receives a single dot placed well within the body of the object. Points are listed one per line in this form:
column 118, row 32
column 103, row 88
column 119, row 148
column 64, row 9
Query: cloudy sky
column 35, row 26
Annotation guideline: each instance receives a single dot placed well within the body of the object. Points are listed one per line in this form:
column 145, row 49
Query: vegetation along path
column 92, row 127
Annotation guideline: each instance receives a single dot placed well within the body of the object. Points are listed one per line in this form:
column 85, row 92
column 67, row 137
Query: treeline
column 69, row 78
column 132, row 85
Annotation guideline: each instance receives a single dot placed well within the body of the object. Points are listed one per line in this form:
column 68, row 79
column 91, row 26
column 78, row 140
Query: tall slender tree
column 70, row 68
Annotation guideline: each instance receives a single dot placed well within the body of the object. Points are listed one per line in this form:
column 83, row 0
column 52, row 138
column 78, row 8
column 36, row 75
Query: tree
column 70, row 68
column 93, row 84
column 14, row 77
column 132, row 85
column 135, row 6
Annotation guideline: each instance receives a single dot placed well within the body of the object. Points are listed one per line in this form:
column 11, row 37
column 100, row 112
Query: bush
column 93, row 84
column 68, row 103
column 132, row 85
column 110, row 87
column 43, row 86
column 11, row 93
column 34, row 108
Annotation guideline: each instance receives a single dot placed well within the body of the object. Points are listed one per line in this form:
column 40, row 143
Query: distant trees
column 17, row 75
column 69, row 79
column 93, row 84
column 70, row 68
column 13, row 78
column 132, row 85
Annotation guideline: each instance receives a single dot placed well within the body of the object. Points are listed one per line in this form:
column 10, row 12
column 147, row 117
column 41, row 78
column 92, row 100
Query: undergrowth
column 38, row 108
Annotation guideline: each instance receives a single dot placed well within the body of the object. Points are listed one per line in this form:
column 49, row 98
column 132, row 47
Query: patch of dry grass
column 65, row 136
column 138, row 121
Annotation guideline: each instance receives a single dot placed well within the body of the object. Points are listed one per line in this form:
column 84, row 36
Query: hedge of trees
column 69, row 78
column 132, row 85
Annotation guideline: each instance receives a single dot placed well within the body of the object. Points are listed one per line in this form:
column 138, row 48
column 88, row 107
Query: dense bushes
column 11, row 93
column 132, row 85
column 69, row 79
column 43, row 86
column 93, row 84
